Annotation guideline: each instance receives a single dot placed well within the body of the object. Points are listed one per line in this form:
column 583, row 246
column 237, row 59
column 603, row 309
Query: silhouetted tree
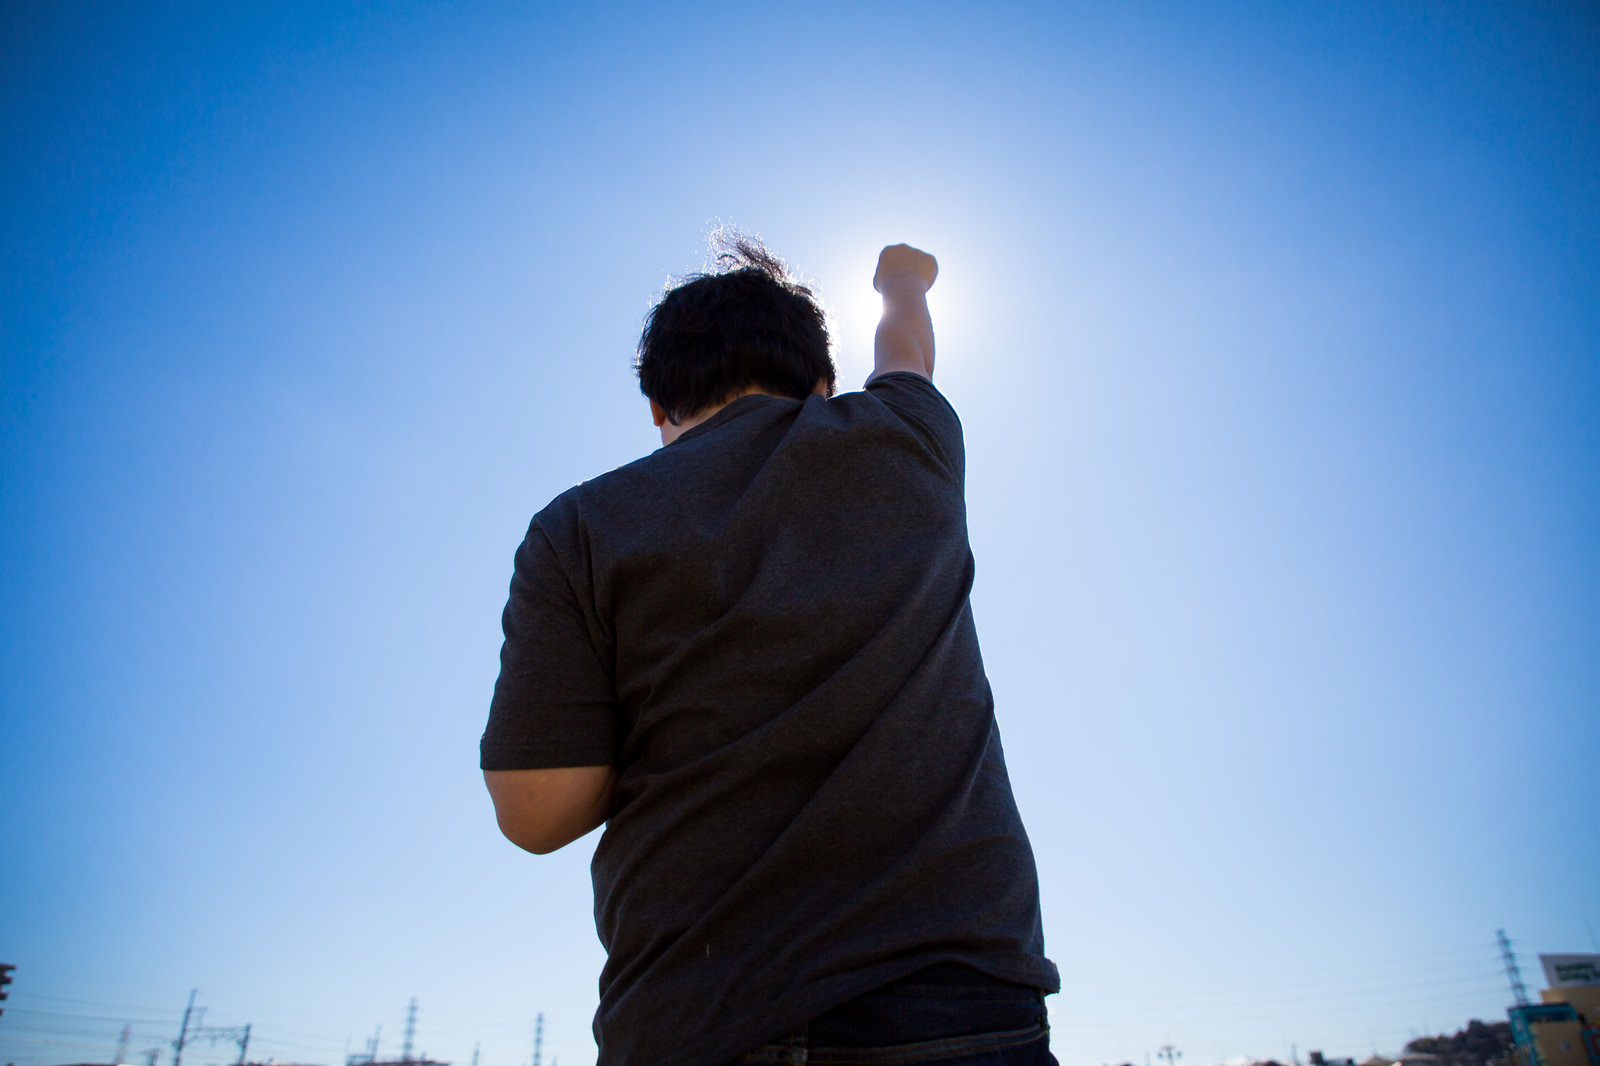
column 1476, row 1045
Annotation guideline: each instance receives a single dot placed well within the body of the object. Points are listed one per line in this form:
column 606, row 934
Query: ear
column 821, row 389
column 658, row 413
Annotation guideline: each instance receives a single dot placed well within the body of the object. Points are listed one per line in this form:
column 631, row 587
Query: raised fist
column 902, row 259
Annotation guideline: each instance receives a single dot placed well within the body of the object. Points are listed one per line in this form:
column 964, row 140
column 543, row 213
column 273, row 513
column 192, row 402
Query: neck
column 670, row 432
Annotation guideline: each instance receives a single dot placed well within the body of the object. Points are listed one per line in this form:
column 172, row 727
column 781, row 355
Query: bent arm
column 542, row 810
column 904, row 340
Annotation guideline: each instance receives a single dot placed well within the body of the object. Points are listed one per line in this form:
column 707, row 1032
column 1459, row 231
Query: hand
column 902, row 260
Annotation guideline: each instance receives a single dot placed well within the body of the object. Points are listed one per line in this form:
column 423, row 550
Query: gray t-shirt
column 765, row 626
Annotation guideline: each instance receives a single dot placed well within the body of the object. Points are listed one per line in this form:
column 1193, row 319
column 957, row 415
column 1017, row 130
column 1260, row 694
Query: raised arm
column 905, row 333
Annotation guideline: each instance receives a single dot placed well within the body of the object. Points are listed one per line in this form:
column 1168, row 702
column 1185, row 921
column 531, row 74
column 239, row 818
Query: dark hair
column 748, row 323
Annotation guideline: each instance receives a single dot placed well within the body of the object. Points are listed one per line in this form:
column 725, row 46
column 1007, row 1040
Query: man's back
column 764, row 628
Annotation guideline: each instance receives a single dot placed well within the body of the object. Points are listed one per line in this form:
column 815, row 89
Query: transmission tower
column 538, row 1038
column 411, row 1030
column 122, row 1044
column 188, row 1033
column 183, row 1031
column 1514, row 975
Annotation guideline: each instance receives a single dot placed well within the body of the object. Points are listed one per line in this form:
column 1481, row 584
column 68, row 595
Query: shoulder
column 924, row 410
column 906, row 385
column 556, row 524
column 593, row 497
column 619, row 506
column 559, row 528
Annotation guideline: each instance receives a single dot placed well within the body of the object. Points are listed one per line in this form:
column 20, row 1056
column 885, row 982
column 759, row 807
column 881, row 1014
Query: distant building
column 1564, row 1029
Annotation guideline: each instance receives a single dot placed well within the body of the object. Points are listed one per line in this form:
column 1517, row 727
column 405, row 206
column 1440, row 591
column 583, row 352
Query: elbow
column 541, row 811
column 535, row 839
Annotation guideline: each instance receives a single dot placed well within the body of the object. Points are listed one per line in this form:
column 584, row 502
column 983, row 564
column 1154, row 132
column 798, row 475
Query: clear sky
column 1275, row 329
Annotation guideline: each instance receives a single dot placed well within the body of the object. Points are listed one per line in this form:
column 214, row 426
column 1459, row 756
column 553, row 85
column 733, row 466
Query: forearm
column 904, row 340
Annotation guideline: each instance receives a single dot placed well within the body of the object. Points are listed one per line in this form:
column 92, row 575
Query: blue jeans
column 947, row 1014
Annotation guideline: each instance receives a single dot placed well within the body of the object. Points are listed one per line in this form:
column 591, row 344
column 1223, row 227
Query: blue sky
column 1276, row 334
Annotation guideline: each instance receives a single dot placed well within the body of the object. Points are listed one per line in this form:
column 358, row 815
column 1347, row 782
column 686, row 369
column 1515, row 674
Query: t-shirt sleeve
column 925, row 411
column 554, row 702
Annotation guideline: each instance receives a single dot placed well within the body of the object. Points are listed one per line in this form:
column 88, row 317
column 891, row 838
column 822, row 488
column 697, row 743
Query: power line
column 89, row 1017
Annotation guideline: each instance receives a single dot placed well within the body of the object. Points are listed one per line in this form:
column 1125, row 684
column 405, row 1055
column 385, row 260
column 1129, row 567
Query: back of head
column 747, row 324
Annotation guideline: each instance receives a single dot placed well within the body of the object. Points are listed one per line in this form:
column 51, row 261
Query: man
column 751, row 656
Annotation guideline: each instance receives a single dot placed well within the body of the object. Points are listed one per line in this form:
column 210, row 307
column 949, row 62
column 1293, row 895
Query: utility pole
column 538, row 1038
column 1514, row 975
column 411, row 1030
column 183, row 1030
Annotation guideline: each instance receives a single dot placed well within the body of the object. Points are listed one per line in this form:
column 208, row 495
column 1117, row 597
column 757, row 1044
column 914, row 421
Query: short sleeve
column 554, row 703
column 925, row 411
